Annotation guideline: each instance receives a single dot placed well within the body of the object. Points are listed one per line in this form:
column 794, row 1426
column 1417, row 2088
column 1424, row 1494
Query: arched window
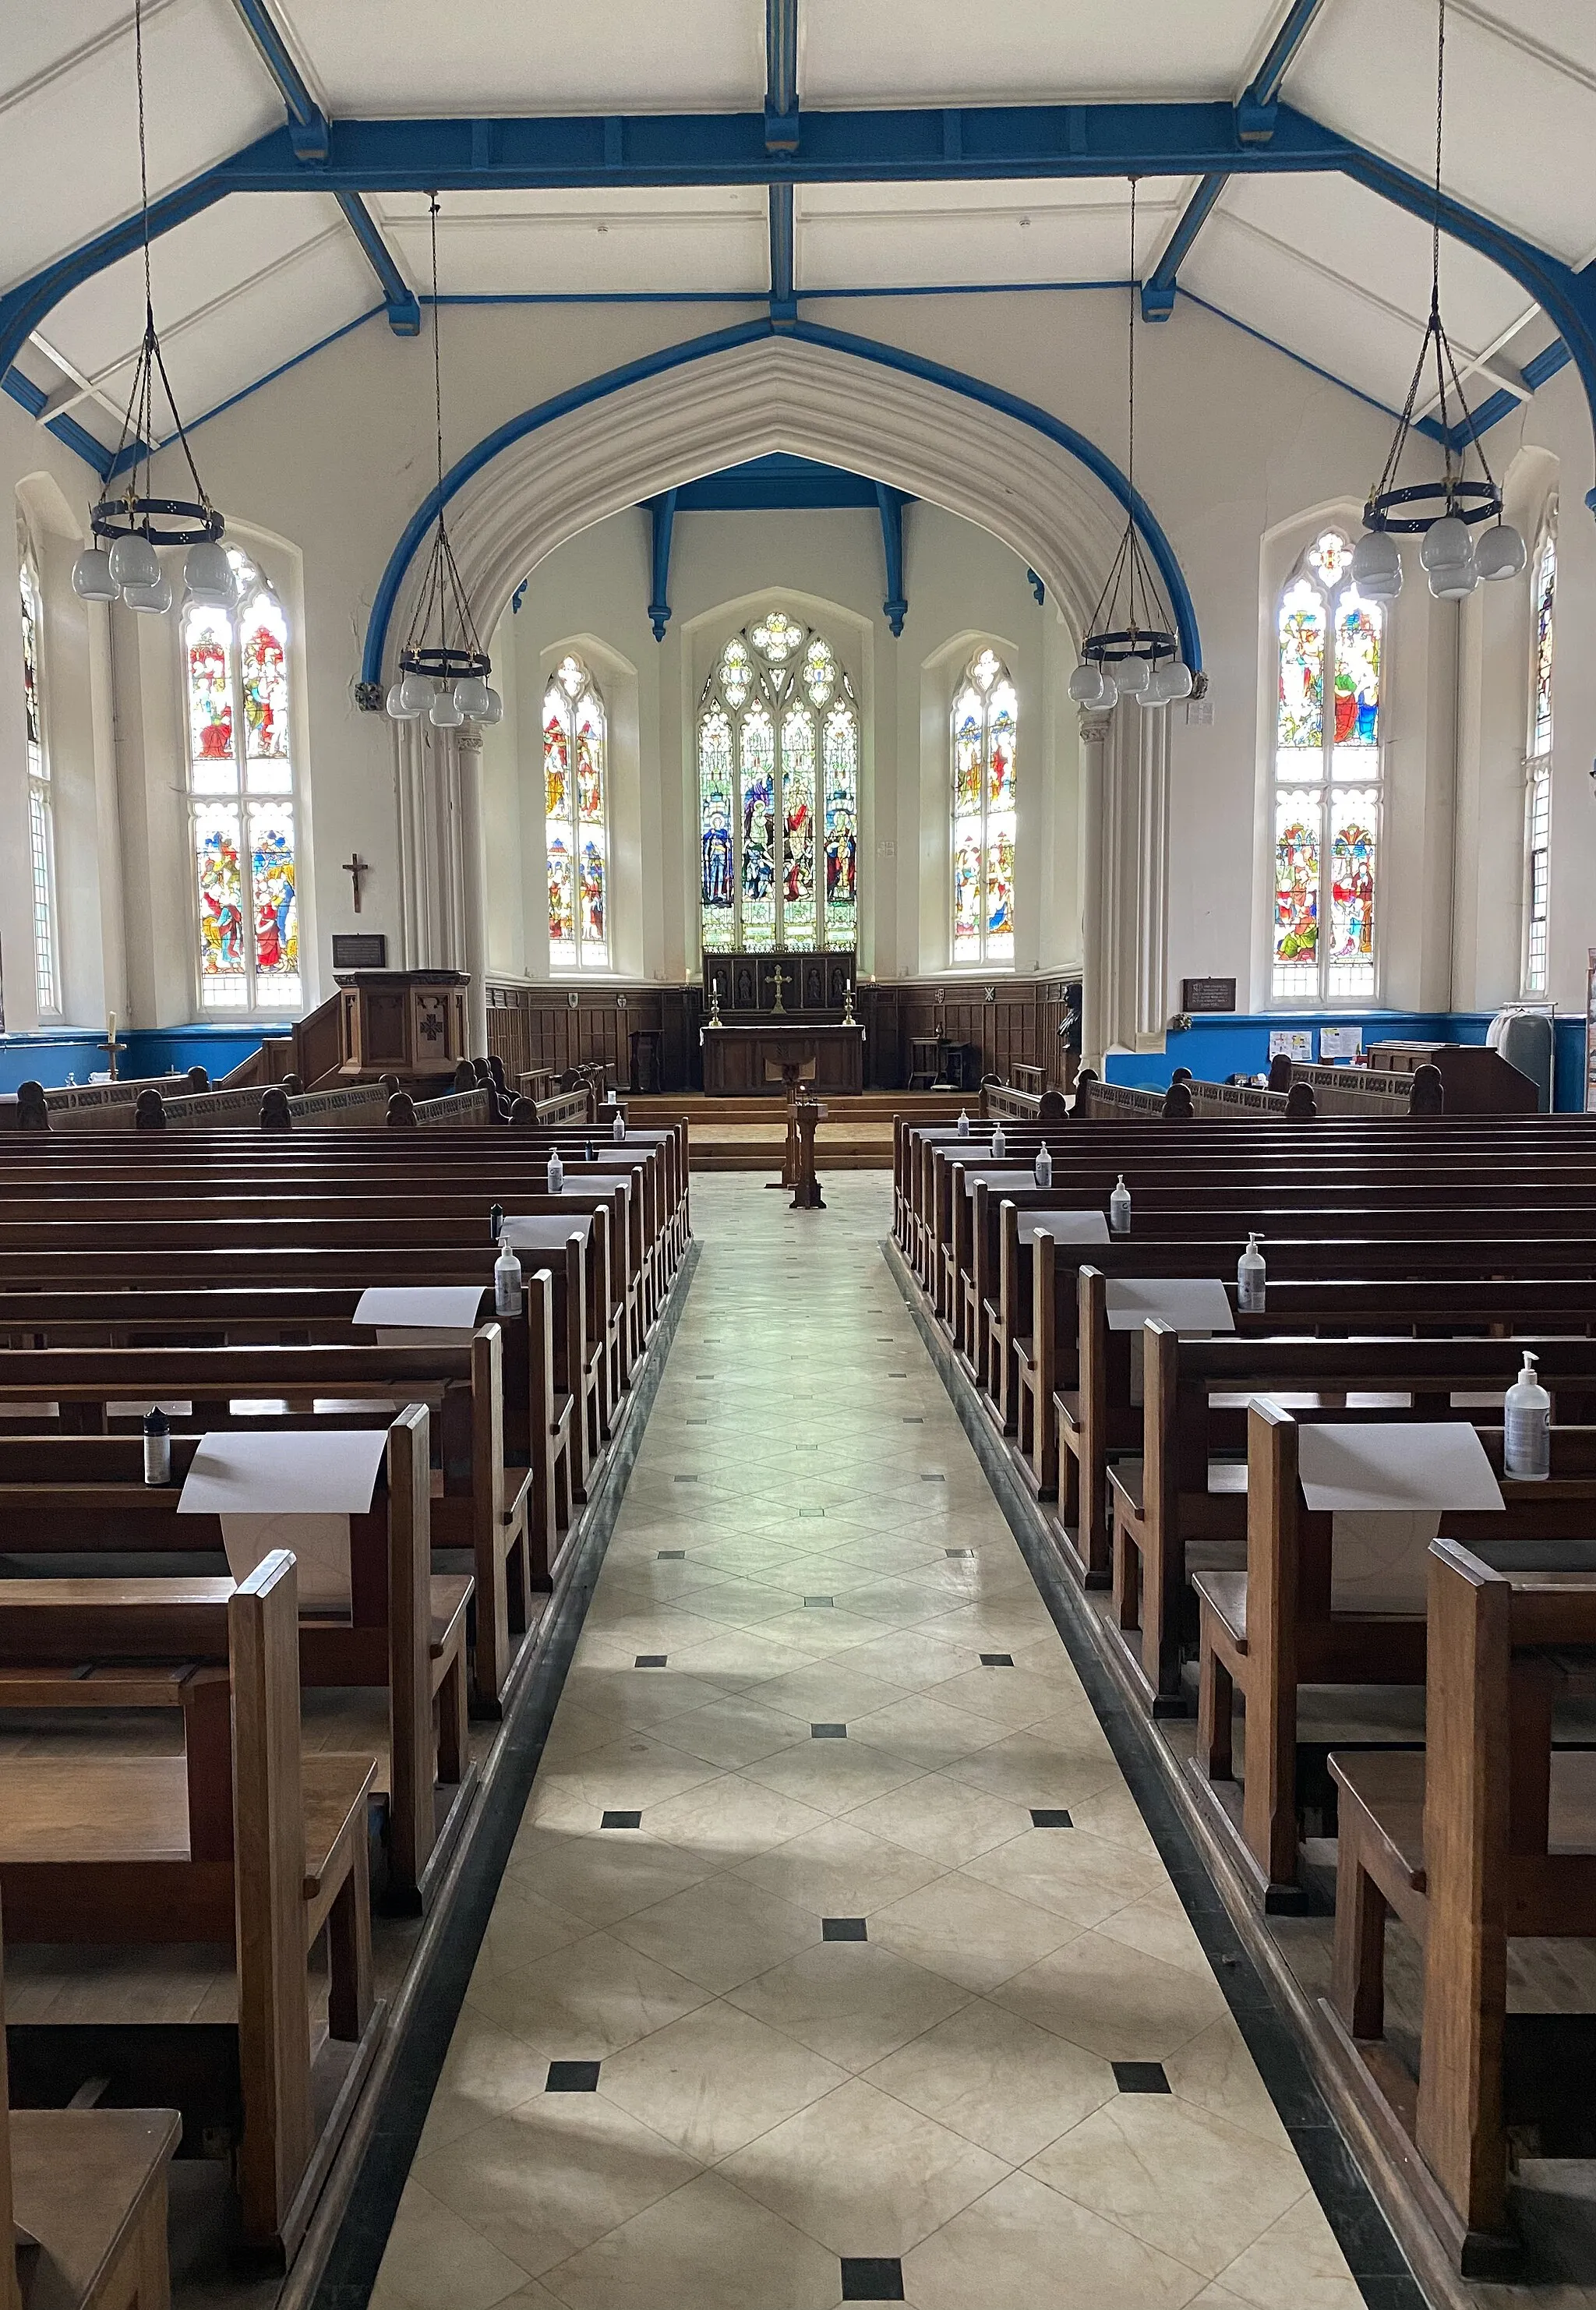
column 242, row 812
column 41, row 813
column 576, row 787
column 1329, row 644
column 985, row 723
column 779, row 794
column 1538, row 758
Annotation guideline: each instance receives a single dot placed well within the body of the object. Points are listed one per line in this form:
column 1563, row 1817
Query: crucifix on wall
column 355, row 867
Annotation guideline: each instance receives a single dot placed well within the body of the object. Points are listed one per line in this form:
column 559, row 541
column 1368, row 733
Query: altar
column 735, row 1058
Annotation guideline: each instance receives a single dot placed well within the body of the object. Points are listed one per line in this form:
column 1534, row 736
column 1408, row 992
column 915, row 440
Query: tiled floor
column 852, row 2022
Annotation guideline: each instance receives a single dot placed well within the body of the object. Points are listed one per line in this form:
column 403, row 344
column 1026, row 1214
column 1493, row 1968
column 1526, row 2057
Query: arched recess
column 1046, row 492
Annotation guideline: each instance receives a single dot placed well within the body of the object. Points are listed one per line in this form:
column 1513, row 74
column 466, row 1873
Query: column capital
column 1095, row 727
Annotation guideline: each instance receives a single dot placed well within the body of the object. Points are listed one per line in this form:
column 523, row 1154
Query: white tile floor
column 770, row 2101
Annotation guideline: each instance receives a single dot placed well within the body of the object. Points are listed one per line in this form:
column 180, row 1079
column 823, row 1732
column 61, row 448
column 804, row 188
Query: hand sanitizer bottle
column 1250, row 1278
column 1119, row 1208
column 495, row 1222
column 1000, row 1145
column 589, row 1153
column 964, row 1124
column 1044, row 1168
column 506, row 1283
column 618, row 1128
column 1527, row 1427
column 158, row 1447
column 556, row 1173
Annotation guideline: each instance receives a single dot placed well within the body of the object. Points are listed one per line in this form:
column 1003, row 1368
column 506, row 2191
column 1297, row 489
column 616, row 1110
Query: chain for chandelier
column 446, row 679
column 136, row 523
column 1130, row 647
column 1442, row 512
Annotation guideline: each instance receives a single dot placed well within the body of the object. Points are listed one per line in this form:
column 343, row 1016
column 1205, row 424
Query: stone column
column 1094, row 729
column 472, row 853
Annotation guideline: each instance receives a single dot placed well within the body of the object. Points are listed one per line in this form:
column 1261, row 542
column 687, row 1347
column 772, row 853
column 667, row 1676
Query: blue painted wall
column 49, row 1059
column 1237, row 1043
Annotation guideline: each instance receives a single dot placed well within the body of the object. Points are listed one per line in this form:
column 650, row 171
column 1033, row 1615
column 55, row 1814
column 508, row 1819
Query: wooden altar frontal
column 735, row 1058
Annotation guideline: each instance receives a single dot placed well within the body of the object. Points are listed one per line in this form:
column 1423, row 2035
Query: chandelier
column 447, row 678
column 1442, row 512
column 121, row 564
column 1130, row 649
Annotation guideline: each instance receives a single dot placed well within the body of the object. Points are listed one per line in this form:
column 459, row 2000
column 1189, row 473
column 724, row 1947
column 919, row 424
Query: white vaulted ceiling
column 1332, row 273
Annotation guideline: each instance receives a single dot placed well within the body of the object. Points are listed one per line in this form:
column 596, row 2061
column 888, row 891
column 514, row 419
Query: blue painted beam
column 67, row 429
column 1037, row 587
column 308, row 133
column 781, row 76
column 661, row 511
column 783, row 303
column 894, row 608
column 1256, row 115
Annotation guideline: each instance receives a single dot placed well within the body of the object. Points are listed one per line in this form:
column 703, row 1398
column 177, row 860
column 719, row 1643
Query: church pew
column 88, row 1107
column 84, row 1498
column 84, row 2203
column 1190, row 1486
column 1268, row 1630
column 478, row 1504
column 1490, row 1834
column 241, row 1842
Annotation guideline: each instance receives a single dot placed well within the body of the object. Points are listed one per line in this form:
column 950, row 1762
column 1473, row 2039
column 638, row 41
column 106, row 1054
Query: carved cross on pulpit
column 355, row 867
column 778, row 979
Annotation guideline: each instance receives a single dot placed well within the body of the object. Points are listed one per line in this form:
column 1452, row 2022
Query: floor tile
column 720, row 1932
column 971, row 1931
column 587, row 2001
column 851, row 2002
column 706, row 2247
column 436, row 2260
column 997, row 2079
column 1113, row 2000
column 839, row 1870
column 942, row 1818
column 717, row 2079
column 1024, row 2247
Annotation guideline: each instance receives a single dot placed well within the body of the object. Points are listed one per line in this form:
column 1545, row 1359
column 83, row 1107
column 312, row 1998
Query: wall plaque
column 360, row 951
column 1208, row 994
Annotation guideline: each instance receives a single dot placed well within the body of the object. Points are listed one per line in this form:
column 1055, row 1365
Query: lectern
column 403, row 1022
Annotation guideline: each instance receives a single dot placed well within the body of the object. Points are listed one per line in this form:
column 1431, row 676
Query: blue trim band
column 694, row 349
column 894, row 608
column 67, row 429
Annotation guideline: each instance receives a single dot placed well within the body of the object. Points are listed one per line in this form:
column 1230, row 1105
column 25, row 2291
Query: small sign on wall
column 1208, row 994
column 360, row 951
column 1295, row 1042
column 1340, row 1042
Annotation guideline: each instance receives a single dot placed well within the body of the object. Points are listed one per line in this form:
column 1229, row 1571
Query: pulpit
column 412, row 1023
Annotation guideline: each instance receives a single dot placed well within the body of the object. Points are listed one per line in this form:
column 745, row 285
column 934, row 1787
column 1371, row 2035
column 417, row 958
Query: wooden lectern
column 410, row 1023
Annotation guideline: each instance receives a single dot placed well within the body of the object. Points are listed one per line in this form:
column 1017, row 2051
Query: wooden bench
column 241, row 1842
column 1490, row 1834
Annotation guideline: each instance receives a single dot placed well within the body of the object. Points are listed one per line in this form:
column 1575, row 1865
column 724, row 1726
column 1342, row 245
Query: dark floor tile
column 910, row 1419
column 827, row 1732
column 684, row 1479
column 572, row 2077
column 672, row 1556
column 842, row 1929
column 650, row 1660
column 1050, row 1816
column 871, row 2278
column 997, row 1660
column 957, row 1553
column 1141, row 2077
column 621, row 1820
column 933, row 1477
column 816, row 1601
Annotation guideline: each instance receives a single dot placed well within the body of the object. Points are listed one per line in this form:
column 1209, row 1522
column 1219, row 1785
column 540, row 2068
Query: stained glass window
column 242, row 812
column 41, row 815
column 1538, row 764
column 1328, row 646
column 779, row 794
column 983, row 727
column 576, row 812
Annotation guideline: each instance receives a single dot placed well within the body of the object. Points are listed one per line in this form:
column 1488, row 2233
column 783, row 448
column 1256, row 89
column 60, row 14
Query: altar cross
column 355, row 866
column 778, row 979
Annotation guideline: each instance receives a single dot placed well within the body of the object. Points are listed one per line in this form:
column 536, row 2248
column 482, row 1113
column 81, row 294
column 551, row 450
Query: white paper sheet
column 998, row 1176
column 1380, row 1562
column 1192, row 1303
column 1064, row 1227
column 421, row 1307
column 296, row 1491
column 1401, row 1465
column 541, row 1230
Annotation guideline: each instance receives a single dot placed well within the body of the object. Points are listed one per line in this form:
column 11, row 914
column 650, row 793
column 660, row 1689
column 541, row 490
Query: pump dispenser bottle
column 964, row 1124
column 1250, row 1278
column 158, row 1447
column 506, row 1283
column 1000, row 1145
column 1527, row 1427
column 556, row 1173
column 1119, row 1208
column 1044, row 1168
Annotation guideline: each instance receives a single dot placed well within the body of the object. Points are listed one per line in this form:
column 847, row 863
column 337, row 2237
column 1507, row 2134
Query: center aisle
column 832, row 1940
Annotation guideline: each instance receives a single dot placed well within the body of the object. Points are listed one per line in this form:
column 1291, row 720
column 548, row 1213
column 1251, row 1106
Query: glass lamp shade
column 209, row 574
column 398, row 711
column 470, row 696
column 92, row 579
column 1453, row 579
column 1500, row 553
column 1378, row 566
column 1131, row 676
column 134, row 562
column 416, row 692
column 1085, row 684
column 443, row 713
column 1172, row 678
column 157, row 599
column 1447, row 544
column 1110, row 694
column 494, row 710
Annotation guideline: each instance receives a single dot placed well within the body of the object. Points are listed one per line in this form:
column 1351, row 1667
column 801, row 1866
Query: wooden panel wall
column 539, row 1027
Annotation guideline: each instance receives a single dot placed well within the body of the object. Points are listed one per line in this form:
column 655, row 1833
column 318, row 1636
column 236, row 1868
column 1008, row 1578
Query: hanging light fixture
column 447, row 678
column 121, row 564
column 1442, row 512
column 1130, row 649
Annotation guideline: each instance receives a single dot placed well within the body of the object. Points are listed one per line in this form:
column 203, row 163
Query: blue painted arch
column 1073, row 443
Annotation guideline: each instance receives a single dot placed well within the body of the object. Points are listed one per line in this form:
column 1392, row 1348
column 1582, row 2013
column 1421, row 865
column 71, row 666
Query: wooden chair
column 241, row 1842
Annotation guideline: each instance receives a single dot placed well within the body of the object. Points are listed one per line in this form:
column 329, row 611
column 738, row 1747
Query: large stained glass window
column 1538, row 760
column 242, row 801
column 985, row 722
column 576, row 812
column 41, row 813
column 779, row 794
column 1329, row 647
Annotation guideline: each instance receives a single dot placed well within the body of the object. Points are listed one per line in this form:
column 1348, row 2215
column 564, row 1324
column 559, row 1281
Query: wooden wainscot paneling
column 637, row 1034
column 996, row 1022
